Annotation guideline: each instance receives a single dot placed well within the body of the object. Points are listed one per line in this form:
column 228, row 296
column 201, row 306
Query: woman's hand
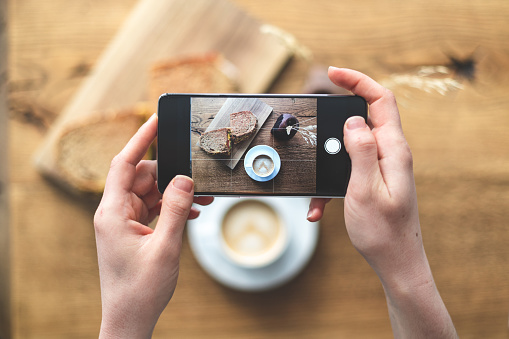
column 139, row 266
column 381, row 214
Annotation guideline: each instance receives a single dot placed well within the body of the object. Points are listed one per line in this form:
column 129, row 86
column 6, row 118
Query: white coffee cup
column 262, row 163
column 253, row 233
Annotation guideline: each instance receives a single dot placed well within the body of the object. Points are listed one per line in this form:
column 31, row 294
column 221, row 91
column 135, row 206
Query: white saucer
column 205, row 244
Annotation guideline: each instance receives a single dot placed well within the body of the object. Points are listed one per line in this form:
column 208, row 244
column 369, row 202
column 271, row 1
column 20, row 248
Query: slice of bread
column 85, row 150
column 243, row 125
column 217, row 142
column 208, row 73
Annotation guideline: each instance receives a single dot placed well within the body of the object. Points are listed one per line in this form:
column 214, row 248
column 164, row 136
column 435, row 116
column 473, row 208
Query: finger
column 146, row 176
column 383, row 109
column 357, row 83
column 175, row 208
column 204, row 201
column 316, row 208
column 122, row 171
column 395, row 160
column 361, row 146
column 138, row 146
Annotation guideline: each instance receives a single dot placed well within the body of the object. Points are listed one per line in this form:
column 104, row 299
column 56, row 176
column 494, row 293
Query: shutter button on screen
column 332, row 145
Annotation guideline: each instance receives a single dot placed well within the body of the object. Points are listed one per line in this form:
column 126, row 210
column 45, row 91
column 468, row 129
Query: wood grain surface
column 458, row 136
column 5, row 258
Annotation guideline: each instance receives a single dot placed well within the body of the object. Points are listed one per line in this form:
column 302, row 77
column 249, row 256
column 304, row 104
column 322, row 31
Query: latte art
column 253, row 233
column 263, row 165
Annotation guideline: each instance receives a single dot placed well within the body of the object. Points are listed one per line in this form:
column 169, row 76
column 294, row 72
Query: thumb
column 176, row 205
column 360, row 143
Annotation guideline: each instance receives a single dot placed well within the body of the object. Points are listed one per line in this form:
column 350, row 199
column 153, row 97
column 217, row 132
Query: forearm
column 416, row 309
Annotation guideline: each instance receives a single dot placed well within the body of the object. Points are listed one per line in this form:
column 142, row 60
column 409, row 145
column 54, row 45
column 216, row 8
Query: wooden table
column 456, row 127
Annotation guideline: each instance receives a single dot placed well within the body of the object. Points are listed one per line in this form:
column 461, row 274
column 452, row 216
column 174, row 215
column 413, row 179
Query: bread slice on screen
column 243, row 125
column 217, row 142
column 205, row 73
column 85, row 150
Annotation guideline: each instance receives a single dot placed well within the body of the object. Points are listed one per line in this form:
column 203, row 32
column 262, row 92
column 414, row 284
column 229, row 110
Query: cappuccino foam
column 251, row 228
column 263, row 165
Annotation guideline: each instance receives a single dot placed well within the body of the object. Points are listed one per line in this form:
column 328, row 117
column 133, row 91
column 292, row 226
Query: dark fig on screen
column 286, row 127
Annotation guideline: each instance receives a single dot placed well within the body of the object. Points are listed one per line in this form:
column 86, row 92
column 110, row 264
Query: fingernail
column 183, row 183
column 332, row 68
column 310, row 213
column 355, row 123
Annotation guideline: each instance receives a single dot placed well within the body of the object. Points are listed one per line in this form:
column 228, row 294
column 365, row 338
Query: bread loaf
column 85, row 150
column 217, row 141
column 243, row 125
column 209, row 73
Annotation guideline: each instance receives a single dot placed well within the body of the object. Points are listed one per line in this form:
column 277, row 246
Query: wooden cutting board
column 158, row 30
column 222, row 119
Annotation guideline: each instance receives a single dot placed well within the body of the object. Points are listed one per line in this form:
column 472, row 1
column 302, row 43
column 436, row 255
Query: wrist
column 415, row 284
column 409, row 276
column 118, row 325
column 399, row 259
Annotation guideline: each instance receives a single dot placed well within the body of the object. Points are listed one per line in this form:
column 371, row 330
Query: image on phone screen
column 294, row 159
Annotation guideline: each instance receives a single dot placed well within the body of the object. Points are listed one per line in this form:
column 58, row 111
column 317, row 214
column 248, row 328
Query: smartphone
column 256, row 145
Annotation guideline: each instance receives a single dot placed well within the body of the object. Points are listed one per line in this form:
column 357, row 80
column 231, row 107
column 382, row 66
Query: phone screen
column 256, row 144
